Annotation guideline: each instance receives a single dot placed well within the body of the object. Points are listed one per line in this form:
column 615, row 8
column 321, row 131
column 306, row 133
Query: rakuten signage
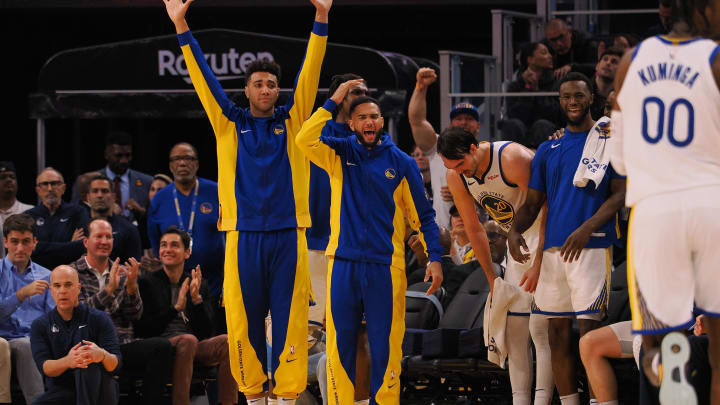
column 227, row 65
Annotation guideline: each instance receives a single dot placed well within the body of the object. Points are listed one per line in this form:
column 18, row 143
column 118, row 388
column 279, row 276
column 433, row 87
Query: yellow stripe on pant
column 376, row 291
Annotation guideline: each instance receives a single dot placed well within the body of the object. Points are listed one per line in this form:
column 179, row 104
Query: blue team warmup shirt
column 208, row 248
column 552, row 172
column 319, row 235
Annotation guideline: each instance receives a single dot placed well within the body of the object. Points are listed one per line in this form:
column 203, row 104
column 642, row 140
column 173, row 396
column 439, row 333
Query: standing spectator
column 603, row 82
column 23, row 297
column 175, row 308
column 536, row 74
column 580, row 230
column 191, row 203
column 150, row 261
column 463, row 115
column 130, row 187
column 571, row 49
column 76, row 347
column 9, row 204
column 59, row 224
column 112, row 288
column 126, row 238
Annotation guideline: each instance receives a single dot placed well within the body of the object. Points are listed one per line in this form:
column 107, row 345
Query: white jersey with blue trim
column 495, row 194
column 671, row 126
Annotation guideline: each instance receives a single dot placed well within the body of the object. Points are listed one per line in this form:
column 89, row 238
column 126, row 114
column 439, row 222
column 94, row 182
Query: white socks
column 286, row 401
column 363, row 402
column 259, row 401
column 572, row 399
column 615, row 402
column 544, row 384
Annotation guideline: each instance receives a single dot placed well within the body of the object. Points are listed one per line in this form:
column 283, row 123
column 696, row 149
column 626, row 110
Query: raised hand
column 176, row 10
column 114, row 279
column 132, row 268
column 425, row 77
column 195, row 285
column 182, row 296
column 343, row 89
column 34, row 288
column 322, row 8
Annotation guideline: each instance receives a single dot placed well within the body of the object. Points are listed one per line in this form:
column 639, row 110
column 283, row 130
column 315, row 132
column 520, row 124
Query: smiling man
column 375, row 186
column 579, row 233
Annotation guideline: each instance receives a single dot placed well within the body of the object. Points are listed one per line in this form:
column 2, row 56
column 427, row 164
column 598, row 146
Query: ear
column 85, row 242
column 247, row 92
column 351, row 125
column 382, row 122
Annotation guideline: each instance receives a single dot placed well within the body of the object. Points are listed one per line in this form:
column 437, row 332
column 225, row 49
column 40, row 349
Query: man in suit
column 130, row 186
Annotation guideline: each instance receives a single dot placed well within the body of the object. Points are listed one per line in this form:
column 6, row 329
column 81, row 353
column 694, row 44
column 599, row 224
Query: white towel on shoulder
column 595, row 156
column 496, row 309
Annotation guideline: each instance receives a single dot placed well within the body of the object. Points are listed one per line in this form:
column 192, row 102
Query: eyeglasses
column 46, row 184
column 185, row 158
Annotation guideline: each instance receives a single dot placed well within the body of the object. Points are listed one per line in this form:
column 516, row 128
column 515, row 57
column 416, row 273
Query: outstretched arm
column 422, row 131
column 176, row 10
column 322, row 9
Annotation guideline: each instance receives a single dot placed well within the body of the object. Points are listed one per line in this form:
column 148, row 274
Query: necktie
column 117, row 191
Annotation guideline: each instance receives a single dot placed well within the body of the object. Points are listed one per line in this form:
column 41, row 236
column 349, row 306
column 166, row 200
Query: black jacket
column 158, row 310
column 54, row 234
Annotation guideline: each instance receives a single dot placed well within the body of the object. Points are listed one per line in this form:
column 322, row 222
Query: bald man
column 75, row 347
column 571, row 49
column 59, row 224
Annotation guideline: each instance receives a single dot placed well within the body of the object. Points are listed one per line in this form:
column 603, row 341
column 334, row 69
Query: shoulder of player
column 514, row 152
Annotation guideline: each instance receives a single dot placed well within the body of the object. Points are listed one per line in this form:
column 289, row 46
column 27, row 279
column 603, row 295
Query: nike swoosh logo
column 242, row 131
column 64, row 219
column 289, row 361
column 350, row 164
column 390, row 386
column 81, row 326
column 554, row 146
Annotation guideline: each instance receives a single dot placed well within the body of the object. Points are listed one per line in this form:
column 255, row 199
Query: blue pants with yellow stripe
column 267, row 271
column 378, row 292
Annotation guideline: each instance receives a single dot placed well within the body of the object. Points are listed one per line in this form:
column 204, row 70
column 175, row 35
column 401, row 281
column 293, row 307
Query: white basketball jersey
column 500, row 198
column 671, row 118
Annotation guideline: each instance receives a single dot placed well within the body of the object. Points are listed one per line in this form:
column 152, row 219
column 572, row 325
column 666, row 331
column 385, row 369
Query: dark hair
column 186, row 144
column 100, row 176
column 539, row 133
column 19, row 222
column 337, row 80
column 612, row 51
column 118, row 138
column 184, row 236
column 526, row 51
column 362, row 100
column 262, row 65
column 683, row 10
column 577, row 77
column 86, row 228
column 454, row 142
column 632, row 39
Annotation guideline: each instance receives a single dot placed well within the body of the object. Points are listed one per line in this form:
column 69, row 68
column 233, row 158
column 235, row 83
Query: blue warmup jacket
column 372, row 192
column 262, row 176
column 319, row 234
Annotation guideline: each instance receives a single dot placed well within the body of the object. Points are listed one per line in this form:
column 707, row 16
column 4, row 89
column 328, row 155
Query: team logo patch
column 40, row 221
column 603, row 129
column 390, row 173
column 279, row 130
column 206, row 208
column 500, row 210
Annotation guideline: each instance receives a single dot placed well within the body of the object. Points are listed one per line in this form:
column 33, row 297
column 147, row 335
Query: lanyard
column 192, row 209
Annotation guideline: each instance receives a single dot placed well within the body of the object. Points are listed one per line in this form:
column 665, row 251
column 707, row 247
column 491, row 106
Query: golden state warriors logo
column 206, row 208
column 500, row 210
column 279, row 130
column 603, row 129
column 390, row 173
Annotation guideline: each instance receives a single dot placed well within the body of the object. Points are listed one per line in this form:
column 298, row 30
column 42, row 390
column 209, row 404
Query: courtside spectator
column 76, row 347
column 176, row 306
column 24, row 296
column 126, row 238
column 424, row 166
column 150, row 261
column 603, row 82
column 130, row 187
column 9, row 204
column 571, row 49
column 110, row 287
column 191, row 204
column 59, row 224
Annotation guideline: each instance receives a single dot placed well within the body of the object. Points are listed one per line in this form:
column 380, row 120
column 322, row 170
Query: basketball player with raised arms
column 496, row 175
column 666, row 137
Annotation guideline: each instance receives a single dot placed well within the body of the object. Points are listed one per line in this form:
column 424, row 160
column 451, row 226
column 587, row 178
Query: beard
column 100, row 207
column 371, row 144
column 581, row 117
